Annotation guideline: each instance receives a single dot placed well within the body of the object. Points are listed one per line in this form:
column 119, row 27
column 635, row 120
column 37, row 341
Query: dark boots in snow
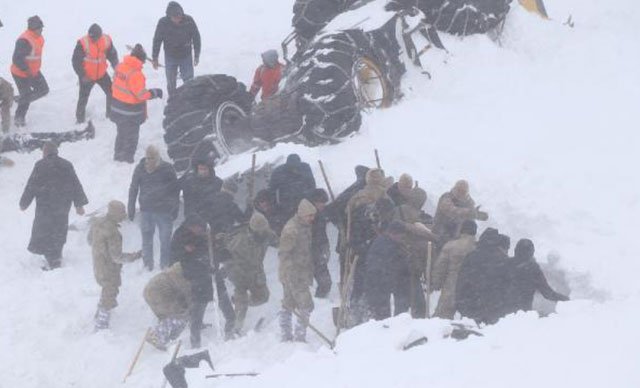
column 285, row 325
column 101, row 319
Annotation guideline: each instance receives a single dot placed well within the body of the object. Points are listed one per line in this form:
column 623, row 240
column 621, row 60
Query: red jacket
column 267, row 79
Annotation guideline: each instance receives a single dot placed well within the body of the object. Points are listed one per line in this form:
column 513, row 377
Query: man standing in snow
column 400, row 191
column 6, row 101
column 289, row 183
column 267, row 76
column 129, row 103
column 106, row 246
column 199, row 186
column 157, row 185
column 27, row 60
column 296, row 272
column 447, row 267
column 180, row 36
column 55, row 186
column 455, row 207
column 90, row 64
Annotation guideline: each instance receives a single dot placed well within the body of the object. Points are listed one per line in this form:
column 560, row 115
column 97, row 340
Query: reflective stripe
column 139, row 96
column 125, row 112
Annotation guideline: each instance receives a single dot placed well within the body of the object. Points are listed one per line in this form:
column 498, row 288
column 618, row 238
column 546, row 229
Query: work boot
column 300, row 334
column 19, row 122
column 90, row 131
column 285, row 326
column 101, row 319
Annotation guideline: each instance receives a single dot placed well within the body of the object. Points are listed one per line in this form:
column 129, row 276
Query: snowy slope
column 543, row 126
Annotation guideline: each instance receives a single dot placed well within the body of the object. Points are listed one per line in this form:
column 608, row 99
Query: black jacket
column 290, row 183
column 196, row 265
column 483, row 281
column 319, row 238
column 78, row 58
column 158, row 190
column 178, row 39
column 55, row 186
column 224, row 213
column 20, row 53
column 199, row 192
column 525, row 278
column 335, row 211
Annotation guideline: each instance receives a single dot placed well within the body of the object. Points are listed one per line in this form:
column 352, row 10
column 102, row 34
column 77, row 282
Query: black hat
column 138, row 52
column 469, row 227
column 95, row 31
column 524, row 249
column 319, row 195
column 293, row 159
column 34, row 23
column 174, row 9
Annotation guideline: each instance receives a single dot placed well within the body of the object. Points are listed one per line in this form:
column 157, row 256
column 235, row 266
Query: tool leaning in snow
column 350, row 264
column 326, row 339
column 174, row 372
column 214, row 270
column 173, row 359
column 427, row 279
column 137, row 356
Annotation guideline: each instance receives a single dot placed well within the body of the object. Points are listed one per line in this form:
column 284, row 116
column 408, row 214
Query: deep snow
column 542, row 125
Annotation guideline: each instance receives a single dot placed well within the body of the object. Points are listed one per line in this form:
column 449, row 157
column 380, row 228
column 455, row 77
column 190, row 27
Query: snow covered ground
column 543, row 126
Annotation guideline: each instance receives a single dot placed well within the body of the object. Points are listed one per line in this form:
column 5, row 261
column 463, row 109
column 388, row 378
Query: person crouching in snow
column 106, row 246
column 168, row 294
column 296, row 271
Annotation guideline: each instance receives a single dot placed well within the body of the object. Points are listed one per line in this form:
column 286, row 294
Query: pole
column 252, row 180
column 173, row 358
column 377, row 159
column 326, row 181
column 332, row 344
column 215, row 376
column 137, row 356
column 213, row 278
column 427, row 277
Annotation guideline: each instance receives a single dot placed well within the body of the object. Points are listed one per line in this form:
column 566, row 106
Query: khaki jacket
column 446, row 270
column 248, row 250
column 296, row 264
column 168, row 293
column 106, row 247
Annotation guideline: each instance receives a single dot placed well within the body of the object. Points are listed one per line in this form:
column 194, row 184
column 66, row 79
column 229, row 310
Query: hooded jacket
column 198, row 192
column 178, row 39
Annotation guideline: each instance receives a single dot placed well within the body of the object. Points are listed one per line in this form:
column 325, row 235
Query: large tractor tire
column 205, row 118
column 340, row 75
column 464, row 17
column 311, row 16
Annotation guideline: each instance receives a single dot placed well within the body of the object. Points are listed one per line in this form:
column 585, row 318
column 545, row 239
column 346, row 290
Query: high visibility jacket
column 34, row 59
column 95, row 56
column 267, row 79
column 129, row 92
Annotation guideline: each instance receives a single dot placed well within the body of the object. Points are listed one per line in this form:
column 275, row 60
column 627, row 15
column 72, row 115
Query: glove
column 155, row 93
column 480, row 215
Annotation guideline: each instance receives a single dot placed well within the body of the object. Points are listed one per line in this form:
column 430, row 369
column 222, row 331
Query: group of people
column 127, row 93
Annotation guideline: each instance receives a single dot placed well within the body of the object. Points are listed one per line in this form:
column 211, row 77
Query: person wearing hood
column 181, row 38
column 199, row 186
column 399, row 192
column 289, row 183
column 25, row 69
column 482, row 283
column 155, row 185
column 89, row 61
column 296, row 272
column 248, row 246
column 525, row 278
column 129, row 103
column 267, row 76
column 54, row 185
column 106, row 247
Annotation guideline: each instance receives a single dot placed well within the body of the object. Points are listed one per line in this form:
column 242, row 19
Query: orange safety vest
column 95, row 56
column 129, row 84
column 34, row 59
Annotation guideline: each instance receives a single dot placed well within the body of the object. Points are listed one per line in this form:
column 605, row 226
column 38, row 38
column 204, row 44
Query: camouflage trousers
column 296, row 295
column 108, row 296
column 167, row 329
column 245, row 296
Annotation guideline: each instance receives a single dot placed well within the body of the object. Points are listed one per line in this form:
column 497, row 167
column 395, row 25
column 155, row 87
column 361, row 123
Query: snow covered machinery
column 343, row 57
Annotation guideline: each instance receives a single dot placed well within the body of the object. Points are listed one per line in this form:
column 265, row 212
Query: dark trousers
column 196, row 316
column 30, row 89
column 378, row 298
column 85, row 91
column 126, row 142
column 321, row 273
column 54, row 257
column 225, row 303
column 33, row 141
column 172, row 65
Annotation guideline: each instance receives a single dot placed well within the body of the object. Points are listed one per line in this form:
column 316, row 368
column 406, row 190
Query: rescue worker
column 155, row 185
column 168, row 294
column 320, row 244
column 27, row 61
column 27, row 142
column 296, row 272
column 454, row 207
column 55, row 187
column 400, row 190
column 6, row 101
column 129, row 103
column 267, row 76
column 181, row 38
column 89, row 61
column 199, row 186
column 106, row 247
column 446, row 269
column 248, row 247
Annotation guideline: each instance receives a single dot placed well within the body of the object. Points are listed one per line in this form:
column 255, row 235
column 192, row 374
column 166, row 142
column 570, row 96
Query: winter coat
column 525, row 278
column 267, row 79
column 335, row 211
column 129, row 93
column 55, row 186
column 483, row 280
column 248, row 250
column 319, row 238
column 450, row 214
column 290, row 183
column 199, row 192
column 445, row 273
column 158, row 190
column 396, row 196
column 178, row 39
column 168, row 293
column 196, row 265
column 387, row 265
column 106, row 248
column 224, row 213
column 369, row 210
column 296, row 263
